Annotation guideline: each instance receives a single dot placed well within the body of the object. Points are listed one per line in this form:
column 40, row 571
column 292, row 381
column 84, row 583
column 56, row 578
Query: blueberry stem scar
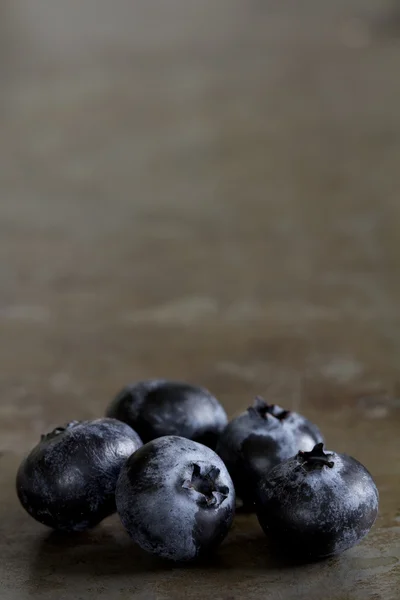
column 206, row 485
column 58, row 430
column 263, row 409
column 316, row 455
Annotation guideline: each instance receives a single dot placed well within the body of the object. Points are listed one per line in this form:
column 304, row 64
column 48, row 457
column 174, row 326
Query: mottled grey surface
column 207, row 191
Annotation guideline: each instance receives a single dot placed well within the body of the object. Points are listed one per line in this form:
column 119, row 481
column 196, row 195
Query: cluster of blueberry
column 175, row 494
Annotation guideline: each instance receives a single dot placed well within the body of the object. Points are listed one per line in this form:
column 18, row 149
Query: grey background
column 206, row 191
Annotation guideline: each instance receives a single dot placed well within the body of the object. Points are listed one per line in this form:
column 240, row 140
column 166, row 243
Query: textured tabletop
column 206, row 191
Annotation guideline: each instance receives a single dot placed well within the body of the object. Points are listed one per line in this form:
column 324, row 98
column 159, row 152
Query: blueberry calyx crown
column 262, row 409
column 205, row 484
column 58, row 430
column 316, row 457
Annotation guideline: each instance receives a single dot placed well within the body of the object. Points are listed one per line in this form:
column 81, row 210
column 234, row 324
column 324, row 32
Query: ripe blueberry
column 68, row 480
column 158, row 407
column 317, row 503
column 175, row 498
column 305, row 432
column 251, row 445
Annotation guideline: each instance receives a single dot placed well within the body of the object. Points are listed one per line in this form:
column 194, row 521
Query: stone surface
column 206, row 191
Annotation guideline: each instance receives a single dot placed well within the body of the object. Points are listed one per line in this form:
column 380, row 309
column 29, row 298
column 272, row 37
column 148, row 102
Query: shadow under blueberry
column 247, row 547
column 256, row 553
column 101, row 551
column 108, row 551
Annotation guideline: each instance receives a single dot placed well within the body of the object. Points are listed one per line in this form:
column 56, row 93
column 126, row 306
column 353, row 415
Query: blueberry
column 307, row 434
column 158, row 407
column 251, row 445
column 176, row 498
column 68, row 480
column 317, row 503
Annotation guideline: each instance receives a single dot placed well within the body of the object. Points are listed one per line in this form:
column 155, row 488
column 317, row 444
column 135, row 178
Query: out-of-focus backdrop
column 206, row 191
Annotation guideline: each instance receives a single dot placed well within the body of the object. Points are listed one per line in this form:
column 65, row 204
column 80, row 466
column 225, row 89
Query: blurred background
column 206, row 191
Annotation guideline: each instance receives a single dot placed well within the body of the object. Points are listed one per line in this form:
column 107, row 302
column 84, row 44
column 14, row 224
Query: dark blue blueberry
column 306, row 433
column 176, row 498
column 251, row 445
column 317, row 504
column 68, row 480
column 158, row 407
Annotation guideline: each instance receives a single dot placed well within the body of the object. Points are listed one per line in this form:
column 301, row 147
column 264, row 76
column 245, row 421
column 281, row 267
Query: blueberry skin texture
column 175, row 498
column 159, row 407
column 251, row 445
column 317, row 504
column 68, row 480
column 306, row 433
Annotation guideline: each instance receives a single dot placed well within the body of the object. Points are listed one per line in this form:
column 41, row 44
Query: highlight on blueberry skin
column 306, row 433
column 251, row 445
column 176, row 499
column 68, row 480
column 158, row 407
column 317, row 504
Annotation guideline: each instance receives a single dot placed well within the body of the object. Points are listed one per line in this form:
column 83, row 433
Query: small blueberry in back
column 252, row 444
column 159, row 407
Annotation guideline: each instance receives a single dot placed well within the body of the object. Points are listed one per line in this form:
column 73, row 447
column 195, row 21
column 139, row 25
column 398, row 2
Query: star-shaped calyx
column 263, row 409
column 205, row 483
column 316, row 457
